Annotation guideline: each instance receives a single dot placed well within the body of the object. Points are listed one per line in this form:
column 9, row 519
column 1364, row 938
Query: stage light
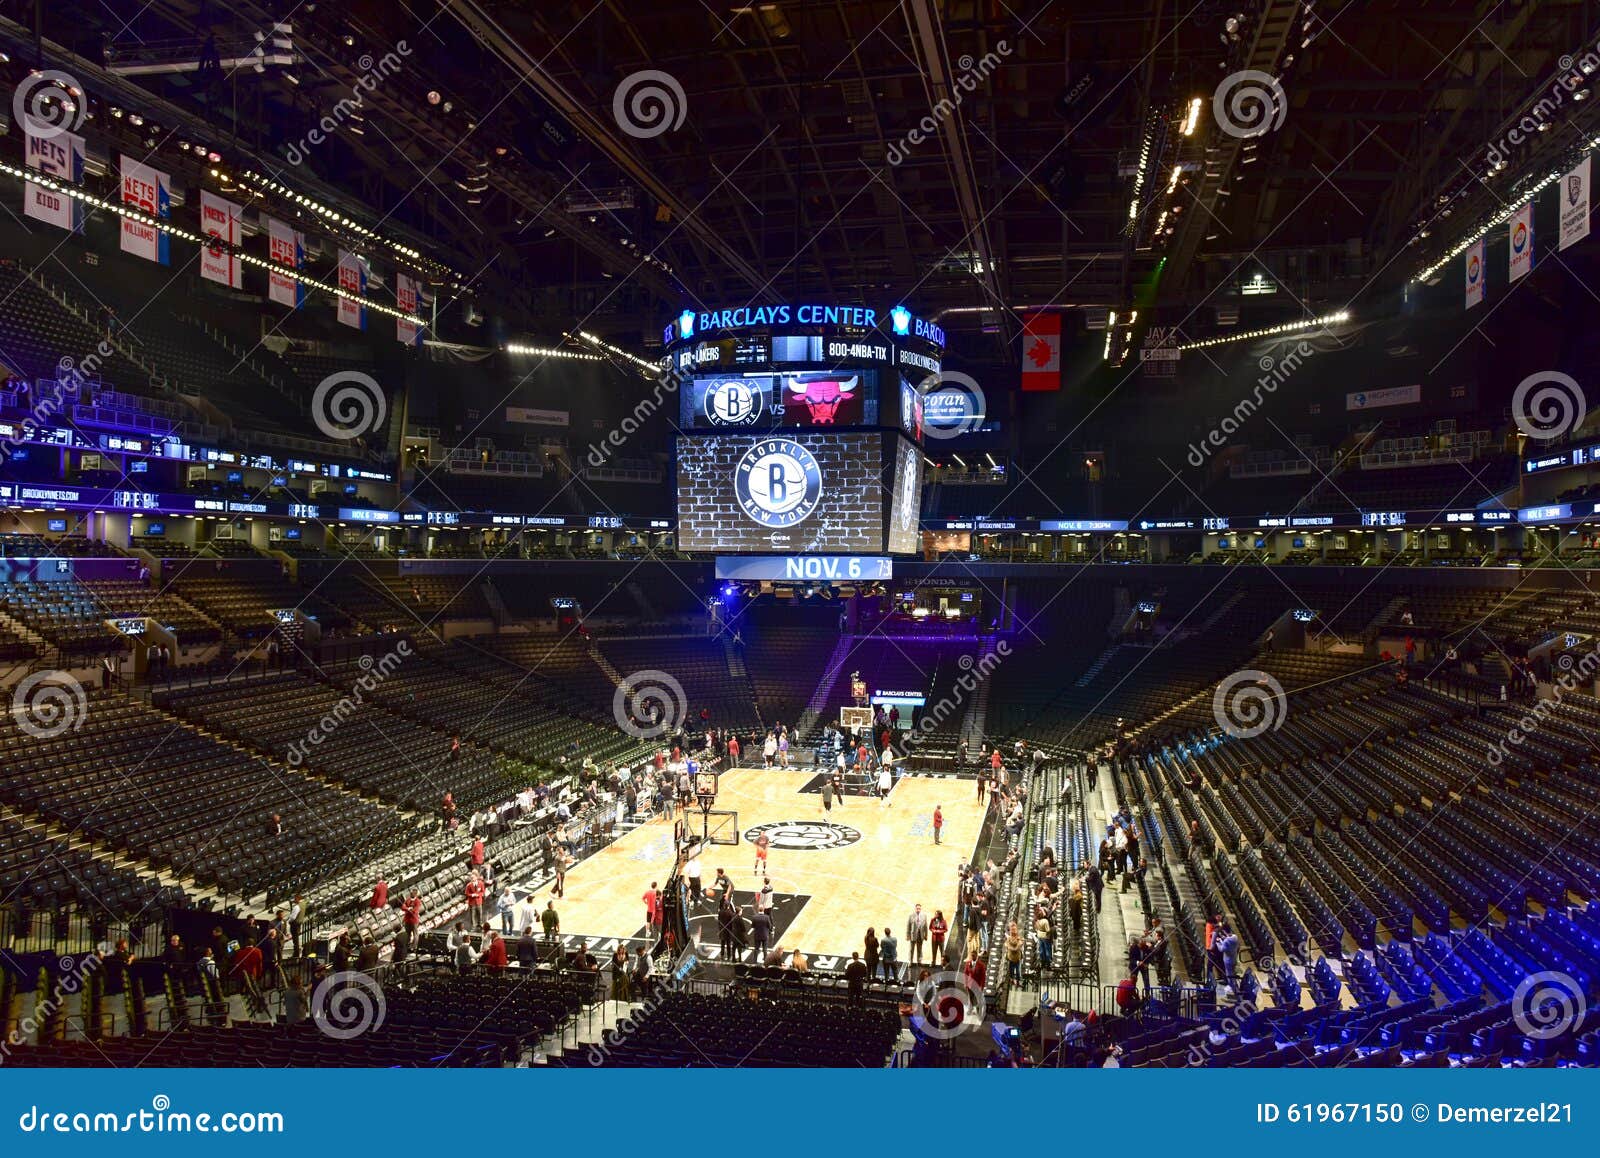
column 434, row 97
column 1192, row 118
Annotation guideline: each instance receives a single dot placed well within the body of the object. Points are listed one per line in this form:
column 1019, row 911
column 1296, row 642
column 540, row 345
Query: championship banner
column 1475, row 272
column 221, row 219
column 285, row 247
column 1041, row 351
column 1521, row 238
column 149, row 191
column 353, row 281
column 1574, row 207
column 407, row 300
column 54, row 153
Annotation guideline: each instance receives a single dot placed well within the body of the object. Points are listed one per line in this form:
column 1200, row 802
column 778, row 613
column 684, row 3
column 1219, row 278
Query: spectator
column 917, row 930
column 494, row 954
column 761, row 931
column 643, row 975
column 855, row 976
column 938, row 929
column 1228, row 946
column 889, row 954
column 1013, row 951
column 475, row 892
column 461, row 947
column 976, row 971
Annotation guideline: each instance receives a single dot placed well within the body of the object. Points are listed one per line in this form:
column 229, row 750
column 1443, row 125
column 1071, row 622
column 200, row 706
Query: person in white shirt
column 691, row 870
column 885, row 784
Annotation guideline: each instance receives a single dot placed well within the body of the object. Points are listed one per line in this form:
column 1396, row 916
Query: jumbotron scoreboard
column 801, row 428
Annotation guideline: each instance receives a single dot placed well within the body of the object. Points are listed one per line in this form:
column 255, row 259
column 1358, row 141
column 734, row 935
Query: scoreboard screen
column 762, row 401
column 910, row 408
column 782, row 491
column 905, row 499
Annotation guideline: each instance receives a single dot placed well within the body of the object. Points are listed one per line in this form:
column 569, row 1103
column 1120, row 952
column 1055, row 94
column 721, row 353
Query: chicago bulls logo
column 822, row 396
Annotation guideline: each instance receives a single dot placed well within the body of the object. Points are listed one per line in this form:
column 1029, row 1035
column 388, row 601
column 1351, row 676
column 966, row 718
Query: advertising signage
column 900, row 322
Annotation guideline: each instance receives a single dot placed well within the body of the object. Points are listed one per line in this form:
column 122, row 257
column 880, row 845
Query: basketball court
column 834, row 873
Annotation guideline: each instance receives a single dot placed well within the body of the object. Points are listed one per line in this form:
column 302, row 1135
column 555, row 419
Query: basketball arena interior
column 904, row 534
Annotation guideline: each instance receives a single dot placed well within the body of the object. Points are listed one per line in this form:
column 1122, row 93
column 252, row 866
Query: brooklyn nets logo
column 778, row 482
column 910, row 484
column 805, row 835
column 733, row 402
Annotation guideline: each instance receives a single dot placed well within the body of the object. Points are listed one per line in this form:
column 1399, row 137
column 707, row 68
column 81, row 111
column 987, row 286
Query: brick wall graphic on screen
column 847, row 519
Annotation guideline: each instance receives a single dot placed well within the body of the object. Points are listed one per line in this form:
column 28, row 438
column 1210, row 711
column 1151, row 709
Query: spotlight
column 434, row 97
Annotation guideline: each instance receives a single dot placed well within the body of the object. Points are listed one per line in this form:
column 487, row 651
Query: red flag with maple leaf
column 1041, row 351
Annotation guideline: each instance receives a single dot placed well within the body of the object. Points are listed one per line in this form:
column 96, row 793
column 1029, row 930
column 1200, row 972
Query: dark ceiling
column 814, row 155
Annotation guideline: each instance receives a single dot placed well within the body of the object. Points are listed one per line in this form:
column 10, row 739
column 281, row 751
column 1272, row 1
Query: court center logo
column 805, row 835
column 734, row 402
column 778, row 482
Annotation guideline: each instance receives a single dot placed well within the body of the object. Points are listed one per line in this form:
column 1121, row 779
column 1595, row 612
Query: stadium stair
column 735, row 659
column 972, row 725
column 1097, row 666
column 819, row 700
column 67, row 302
column 606, row 666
